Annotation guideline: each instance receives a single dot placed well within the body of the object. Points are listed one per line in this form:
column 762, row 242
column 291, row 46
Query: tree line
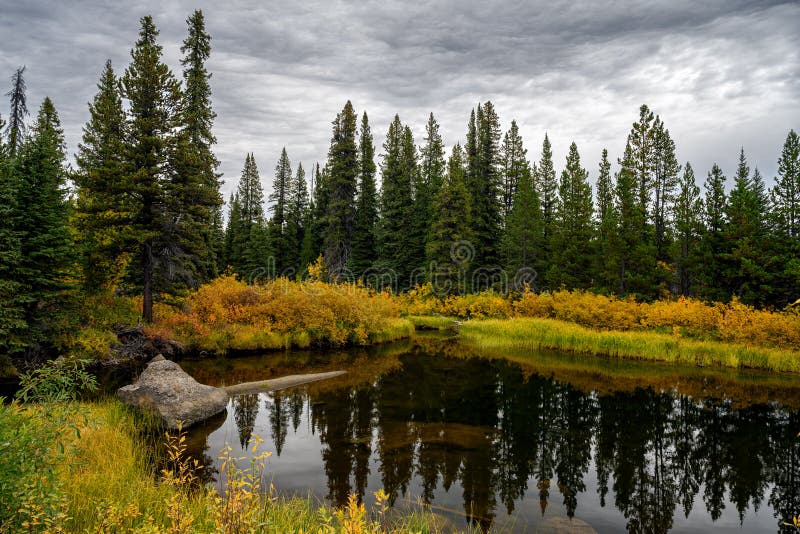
column 487, row 217
column 142, row 212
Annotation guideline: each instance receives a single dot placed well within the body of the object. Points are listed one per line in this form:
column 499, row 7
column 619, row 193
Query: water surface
column 522, row 443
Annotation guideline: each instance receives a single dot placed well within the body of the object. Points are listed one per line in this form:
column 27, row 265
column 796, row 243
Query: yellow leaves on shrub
column 733, row 322
column 229, row 314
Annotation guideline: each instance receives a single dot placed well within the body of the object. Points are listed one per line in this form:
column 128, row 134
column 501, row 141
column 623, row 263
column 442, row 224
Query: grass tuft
column 535, row 334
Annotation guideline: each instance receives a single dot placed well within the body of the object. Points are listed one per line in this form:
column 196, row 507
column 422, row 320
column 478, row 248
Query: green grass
column 103, row 479
column 534, row 334
column 432, row 322
column 393, row 329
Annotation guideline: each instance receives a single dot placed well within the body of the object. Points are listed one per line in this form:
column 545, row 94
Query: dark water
column 549, row 447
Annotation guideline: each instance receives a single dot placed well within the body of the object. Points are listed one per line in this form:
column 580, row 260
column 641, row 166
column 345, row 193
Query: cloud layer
column 722, row 74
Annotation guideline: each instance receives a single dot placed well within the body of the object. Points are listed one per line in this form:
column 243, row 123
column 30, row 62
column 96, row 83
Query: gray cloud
column 722, row 74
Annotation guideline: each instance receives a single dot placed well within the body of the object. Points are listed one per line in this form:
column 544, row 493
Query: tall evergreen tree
column 12, row 318
column 429, row 180
column 514, row 166
column 19, row 110
column 451, row 224
column 572, row 240
column 485, row 187
column 547, row 189
column 154, row 98
column 606, row 225
column 633, row 256
column 103, row 207
column 421, row 200
column 251, row 232
column 786, row 192
column 281, row 192
column 199, row 197
column 342, row 181
column 433, row 165
column 665, row 179
column 641, row 140
column 364, row 250
column 318, row 207
column 785, row 196
column 522, row 239
column 713, row 241
column 231, row 253
column 744, row 256
column 689, row 229
column 43, row 217
column 396, row 244
column 296, row 219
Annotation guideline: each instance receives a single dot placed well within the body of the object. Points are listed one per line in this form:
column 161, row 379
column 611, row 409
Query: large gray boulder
column 166, row 389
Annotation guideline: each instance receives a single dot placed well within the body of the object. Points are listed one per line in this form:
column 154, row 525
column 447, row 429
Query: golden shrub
column 229, row 314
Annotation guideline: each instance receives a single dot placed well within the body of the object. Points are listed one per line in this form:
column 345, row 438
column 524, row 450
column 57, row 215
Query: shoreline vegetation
column 228, row 316
column 89, row 467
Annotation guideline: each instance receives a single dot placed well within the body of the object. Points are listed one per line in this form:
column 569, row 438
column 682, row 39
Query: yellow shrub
column 229, row 314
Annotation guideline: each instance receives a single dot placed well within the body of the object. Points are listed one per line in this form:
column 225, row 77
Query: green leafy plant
column 59, row 380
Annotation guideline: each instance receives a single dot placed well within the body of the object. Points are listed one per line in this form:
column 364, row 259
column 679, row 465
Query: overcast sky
column 721, row 74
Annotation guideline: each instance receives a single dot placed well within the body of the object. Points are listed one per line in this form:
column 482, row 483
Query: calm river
column 549, row 443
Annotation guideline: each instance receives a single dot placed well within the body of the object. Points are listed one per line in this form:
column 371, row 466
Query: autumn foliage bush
column 228, row 314
column 731, row 322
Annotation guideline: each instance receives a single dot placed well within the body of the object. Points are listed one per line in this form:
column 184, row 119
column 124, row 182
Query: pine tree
column 689, row 229
column 633, row 256
column 19, row 110
column 642, row 142
column 522, row 239
column 428, row 183
column 713, row 240
column 12, row 318
column 103, row 208
column 786, row 192
column 451, row 225
column 514, row 164
column 396, row 206
column 281, row 191
column 744, row 256
column 433, row 165
column 197, row 202
column 251, row 235
column 315, row 226
column 416, row 228
column 547, row 188
column 232, row 254
column 665, row 179
column 43, row 217
column 572, row 240
column 154, row 98
column 296, row 219
column 606, row 225
column 364, row 235
column 342, row 181
column 485, row 187
column 785, row 196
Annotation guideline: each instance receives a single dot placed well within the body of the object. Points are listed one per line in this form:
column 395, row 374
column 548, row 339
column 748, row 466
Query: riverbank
column 534, row 334
column 91, row 467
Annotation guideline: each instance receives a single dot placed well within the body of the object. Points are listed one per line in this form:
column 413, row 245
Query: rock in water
column 166, row 389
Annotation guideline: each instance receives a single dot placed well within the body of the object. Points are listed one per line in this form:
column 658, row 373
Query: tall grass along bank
column 83, row 467
column 535, row 334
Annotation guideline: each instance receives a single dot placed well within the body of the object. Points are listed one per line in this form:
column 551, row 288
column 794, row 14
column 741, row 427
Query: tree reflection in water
column 512, row 442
